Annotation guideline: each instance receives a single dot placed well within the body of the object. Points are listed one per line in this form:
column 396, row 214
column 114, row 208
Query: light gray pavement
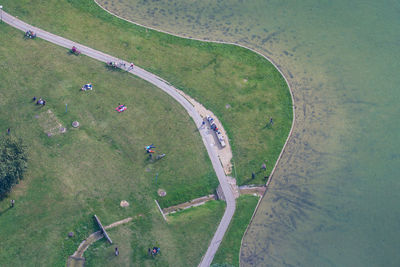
column 166, row 87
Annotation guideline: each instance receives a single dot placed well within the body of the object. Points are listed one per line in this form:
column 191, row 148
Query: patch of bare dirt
column 50, row 123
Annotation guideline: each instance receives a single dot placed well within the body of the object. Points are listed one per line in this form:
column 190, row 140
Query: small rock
column 227, row 106
column 70, row 234
column 75, row 124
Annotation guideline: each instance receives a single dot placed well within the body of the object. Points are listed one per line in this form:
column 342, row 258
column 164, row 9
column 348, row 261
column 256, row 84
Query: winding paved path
column 166, row 87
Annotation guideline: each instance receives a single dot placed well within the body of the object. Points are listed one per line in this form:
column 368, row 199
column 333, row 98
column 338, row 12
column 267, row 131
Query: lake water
column 334, row 199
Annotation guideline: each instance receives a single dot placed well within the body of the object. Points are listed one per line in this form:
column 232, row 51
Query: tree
column 13, row 162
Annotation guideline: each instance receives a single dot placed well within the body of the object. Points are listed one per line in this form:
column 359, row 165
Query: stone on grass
column 70, row 234
column 75, row 124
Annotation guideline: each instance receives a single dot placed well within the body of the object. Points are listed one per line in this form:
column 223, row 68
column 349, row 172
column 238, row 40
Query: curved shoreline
column 148, row 76
column 259, row 53
column 229, row 43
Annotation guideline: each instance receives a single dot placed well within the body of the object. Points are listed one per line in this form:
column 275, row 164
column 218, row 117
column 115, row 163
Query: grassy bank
column 228, row 252
column 243, row 89
column 89, row 170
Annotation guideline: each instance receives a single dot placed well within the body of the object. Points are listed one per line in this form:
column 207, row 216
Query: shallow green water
column 334, row 199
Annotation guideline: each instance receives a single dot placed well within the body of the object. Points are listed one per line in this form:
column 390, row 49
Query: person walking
column 131, row 67
column 116, row 251
column 8, row 131
column 271, row 121
column 12, row 203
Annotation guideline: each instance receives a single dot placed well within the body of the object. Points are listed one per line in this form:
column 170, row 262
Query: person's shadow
column 4, row 211
column 267, row 126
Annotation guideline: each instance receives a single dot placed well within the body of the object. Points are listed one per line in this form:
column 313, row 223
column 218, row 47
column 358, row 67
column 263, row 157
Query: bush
column 13, row 162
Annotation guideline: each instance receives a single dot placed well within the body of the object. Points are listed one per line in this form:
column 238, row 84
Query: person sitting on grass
column 155, row 251
column 87, row 87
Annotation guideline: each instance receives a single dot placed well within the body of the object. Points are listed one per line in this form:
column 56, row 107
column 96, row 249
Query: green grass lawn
column 89, row 170
column 181, row 224
column 228, row 252
column 216, row 75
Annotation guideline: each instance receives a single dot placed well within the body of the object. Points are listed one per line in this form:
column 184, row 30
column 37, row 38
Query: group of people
column 153, row 252
column 114, row 64
column 87, row 87
column 150, row 152
column 212, row 123
column 149, row 148
column 74, row 50
column 30, row 34
column 39, row 101
column 121, row 108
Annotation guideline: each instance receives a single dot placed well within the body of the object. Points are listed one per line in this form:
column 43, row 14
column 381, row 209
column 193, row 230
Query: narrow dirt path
column 86, row 243
column 166, row 87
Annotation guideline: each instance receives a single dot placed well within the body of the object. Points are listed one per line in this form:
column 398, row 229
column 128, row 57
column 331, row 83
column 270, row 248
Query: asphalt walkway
column 166, row 87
